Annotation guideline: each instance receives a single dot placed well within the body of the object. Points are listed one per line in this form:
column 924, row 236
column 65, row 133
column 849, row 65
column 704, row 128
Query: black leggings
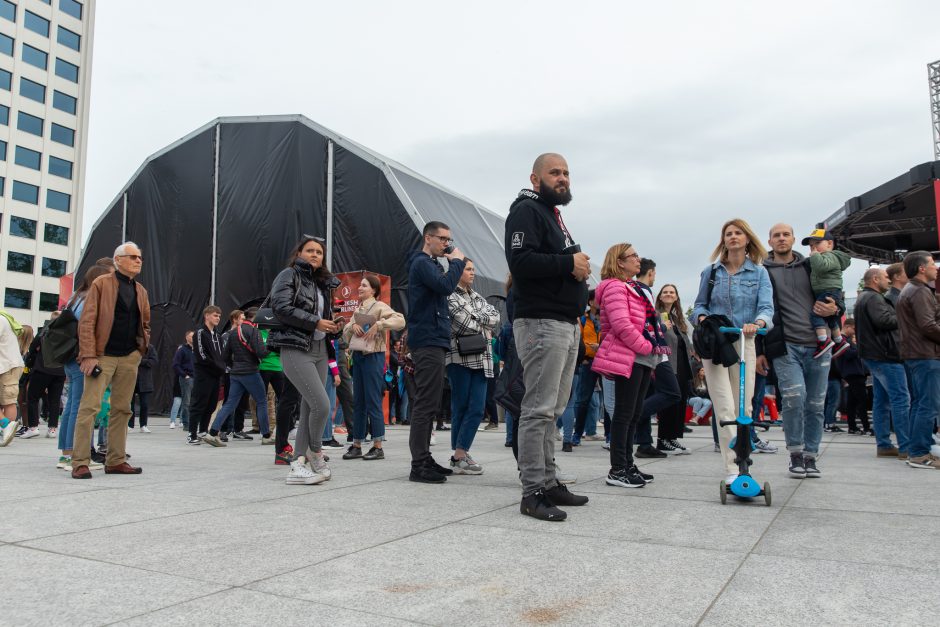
column 49, row 388
column 857, row 402
column 629, row 395
column 288, row 407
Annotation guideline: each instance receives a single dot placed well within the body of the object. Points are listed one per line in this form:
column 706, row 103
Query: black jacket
column 540, row 261
column 207, row 351
column 145, row 371
column 294, row 301
column 850, row 364
column 243, row 354
column 876, row 327
column 710, row 343
column 428, row 289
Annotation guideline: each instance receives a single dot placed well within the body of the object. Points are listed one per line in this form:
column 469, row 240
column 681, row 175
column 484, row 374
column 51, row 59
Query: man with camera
column 113, row 335
column 549, row 273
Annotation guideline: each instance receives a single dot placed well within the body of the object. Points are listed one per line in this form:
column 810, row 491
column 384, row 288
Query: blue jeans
column 585, row 403
column 181, row 403
column 467, row 398
column 368, row 374
column 239, row 384
column 833, row 394
column 802, row 381
column 891, row 402
column 568, row 417
column 508, row 417
column 330, row 394
column 76, row 380
column 925, row 374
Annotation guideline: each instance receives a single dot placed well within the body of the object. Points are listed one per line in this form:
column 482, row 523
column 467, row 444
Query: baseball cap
column 818, row 233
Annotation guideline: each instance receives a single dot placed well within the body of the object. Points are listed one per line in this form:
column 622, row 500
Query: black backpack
column 60, row 340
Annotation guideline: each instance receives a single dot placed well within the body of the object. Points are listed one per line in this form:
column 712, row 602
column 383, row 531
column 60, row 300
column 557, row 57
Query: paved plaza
column 215, row 537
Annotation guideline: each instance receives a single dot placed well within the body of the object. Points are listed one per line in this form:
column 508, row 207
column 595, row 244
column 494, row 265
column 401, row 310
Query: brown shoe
column 122, row 469
column 81, row 472
column 902, row 457
column 888, row 452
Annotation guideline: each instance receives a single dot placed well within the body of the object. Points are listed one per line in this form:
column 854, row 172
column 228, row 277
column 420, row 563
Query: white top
column 10, row 357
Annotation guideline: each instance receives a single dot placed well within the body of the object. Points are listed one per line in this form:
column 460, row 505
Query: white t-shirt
column 10, row 357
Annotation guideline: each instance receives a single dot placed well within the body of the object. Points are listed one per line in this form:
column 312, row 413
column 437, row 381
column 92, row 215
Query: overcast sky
column 673, row 118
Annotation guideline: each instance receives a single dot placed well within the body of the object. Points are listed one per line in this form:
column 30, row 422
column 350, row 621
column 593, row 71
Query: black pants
column 662, row 392
column 672, row 418
column 144, row 408
column 429, row 385
column 39, row 384
column 276, row 379
column 203, row 401
column 857, row 402
column 411, row 391
column 287, row 409
column 628, row 407
column 344, row 393
column 583, row 399
column 490, row 407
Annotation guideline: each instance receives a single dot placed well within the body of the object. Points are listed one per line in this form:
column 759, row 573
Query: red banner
column 346, row 296
column 66, row 285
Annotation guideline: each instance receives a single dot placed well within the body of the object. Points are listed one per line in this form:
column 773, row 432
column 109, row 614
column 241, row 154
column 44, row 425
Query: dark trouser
column 429, row 384
column 40, row 382
column 857, row 405
column 287, row 409
column 344, row 393
column 672, row 418
column 204, row 400
column 411, row 391
column 587, row 381
column 368, row 385
column 235, row 422
column 144, row 409
column 628, row 407
column 490, row 406
column 276, row 379
column 663, row 393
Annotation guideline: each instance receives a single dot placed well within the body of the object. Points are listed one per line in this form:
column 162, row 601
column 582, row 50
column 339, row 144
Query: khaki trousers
column 723, row 390
column 121, row 374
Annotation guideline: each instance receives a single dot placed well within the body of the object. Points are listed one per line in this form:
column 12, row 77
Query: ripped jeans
column 802, row 382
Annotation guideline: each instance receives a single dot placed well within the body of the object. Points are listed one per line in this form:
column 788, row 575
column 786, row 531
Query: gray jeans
column 307, row 371
column 548, row 350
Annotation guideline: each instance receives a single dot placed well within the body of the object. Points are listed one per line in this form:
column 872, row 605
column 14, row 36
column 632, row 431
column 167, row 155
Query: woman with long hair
column 735, row 285
column 301, row 298
column 672, row 419
column 627, row 354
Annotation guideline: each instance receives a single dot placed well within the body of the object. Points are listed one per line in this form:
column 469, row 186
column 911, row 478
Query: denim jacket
column 745, row 297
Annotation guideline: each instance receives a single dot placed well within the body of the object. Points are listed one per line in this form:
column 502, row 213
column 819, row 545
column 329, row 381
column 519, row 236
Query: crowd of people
column 562, row 358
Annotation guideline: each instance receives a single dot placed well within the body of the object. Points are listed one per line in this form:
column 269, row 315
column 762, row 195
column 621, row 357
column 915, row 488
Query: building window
column 62, row 134
column 28, row 158
column 17, row 299
column 20, row 262
column 32, row 90
column 53, row 267
column 55, row 234
column 58, row 200
column 3, row 184
column 6, row 80
column 63, row 102
column 6, row 44
column 22, row 227
column 60, row 167
column 3, row 150
column 69, row 39
column 35, row 56
column 8, row 10
column 68, row 71
column 24, row 192
column 48, row 301
column 29, row 123
column 4, row 115
column 70, row 7
column 36, row 24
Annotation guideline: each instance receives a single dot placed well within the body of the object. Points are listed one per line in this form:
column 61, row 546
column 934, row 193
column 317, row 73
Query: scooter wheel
column 767, row 499
column 724, row 492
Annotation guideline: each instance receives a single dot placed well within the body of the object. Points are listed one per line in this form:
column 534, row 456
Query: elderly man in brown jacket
column 113, row 335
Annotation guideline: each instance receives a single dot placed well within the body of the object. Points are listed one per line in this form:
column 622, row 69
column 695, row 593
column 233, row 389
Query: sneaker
column 145, row 430
column 623, row 478
column 868, row 432
column 268, row 439
column 93, row 465
column 646, row 477
column 665, row 446
column 254, row 431
column 935, row 450
column 465, row 466
column 443, row 427
column 293, row 434
column 809, row 464
column 566, row 447
column 559, row 495
column 508, row 444
column 9, row 432
column 836, row 429
column 856, row 432
column 284, row 458
column 730, row 478
column 538, row 506
column 606, row 446
column 333, row 444
column 340, row 430
column 648, row 452
column 65, row 462
column 374, row 453
column 213, row 440
column 490, row 427
column 30, row 433
column 677, row 447
column 424, row 474
column 241, row 435
column 354, row 452
column 98, row 457
column 822, row 348
column 717, row 448
column 593, row 438
column 319, row 466
column 797, row 469
column 686, row 429
column 840, row 347
column 193, row 441
column 433, row 440
column 887, row 452
column 559, row 436
column 172, row 425
column 924, row 461
column 301, row 474
column 23, row 429
column 223, row 437
column 50, row 433
column 936, row 438
column 762, row 446
column 568, row 478
column 902, row 456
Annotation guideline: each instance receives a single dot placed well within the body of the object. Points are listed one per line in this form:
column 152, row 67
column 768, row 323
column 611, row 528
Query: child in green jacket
column 826, row 267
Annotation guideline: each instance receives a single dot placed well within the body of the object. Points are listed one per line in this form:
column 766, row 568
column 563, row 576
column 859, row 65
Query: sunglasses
column 319, row 240
column 134, row 257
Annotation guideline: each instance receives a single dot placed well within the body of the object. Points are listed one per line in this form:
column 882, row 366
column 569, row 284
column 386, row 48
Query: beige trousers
column 121, row 374
column 723, row 390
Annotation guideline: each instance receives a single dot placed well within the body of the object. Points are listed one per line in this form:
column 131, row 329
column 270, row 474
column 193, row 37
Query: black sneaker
column 354, row 452
column 223, row 437
column 538, row 506
column 508, row 444
column 426, row 475
column 648, row 452
column 374, row 453
column 190, row 440
column 836, row 429
column 332, row 444
column 623, row 478
column 646, row 477
column 686, row 429
column 97, row 457
column 856, row 432
column 256, row 431
column 443, row 428
column 809, row 465
column 797, row 469
column 441, row 470
column 559, row 495
column 566, row 447
column 241, row 435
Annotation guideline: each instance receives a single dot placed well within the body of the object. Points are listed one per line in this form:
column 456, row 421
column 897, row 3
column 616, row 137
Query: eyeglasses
column 631, row 256
column 445, row 240
column 134, row 257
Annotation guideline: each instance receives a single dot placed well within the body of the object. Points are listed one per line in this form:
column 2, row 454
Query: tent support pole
column 329, row 204
column 124, row 219
column 215, row 212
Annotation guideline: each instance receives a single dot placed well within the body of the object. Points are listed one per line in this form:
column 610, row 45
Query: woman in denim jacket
column 742, row 292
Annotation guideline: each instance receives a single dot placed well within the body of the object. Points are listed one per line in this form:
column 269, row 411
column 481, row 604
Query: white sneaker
column 433, row 439
column 145, row 430
column 565, row 477
column 465, row 466
column 172, row 425
column 301, row 474
column 764, row 447
column 51, row 432
column 30, row 433
column 935, row 450
column 559, row 436
column 293, row 434
column 95, row 465
column 606, row 445
column 730, row 478
column 319, row 466
column 8, row 432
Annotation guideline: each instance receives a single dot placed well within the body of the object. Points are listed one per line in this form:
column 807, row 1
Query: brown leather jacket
column 94, row 326
column 919, row 321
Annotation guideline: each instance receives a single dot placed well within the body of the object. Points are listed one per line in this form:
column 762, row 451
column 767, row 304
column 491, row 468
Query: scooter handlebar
column 740, row 330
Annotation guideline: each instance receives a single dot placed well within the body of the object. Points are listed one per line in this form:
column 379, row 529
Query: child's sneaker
column 840, row 347
column 65, row 463
column 822, row 348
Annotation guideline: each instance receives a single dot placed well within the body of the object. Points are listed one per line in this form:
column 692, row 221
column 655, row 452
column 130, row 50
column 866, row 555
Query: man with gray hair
column 113, row 335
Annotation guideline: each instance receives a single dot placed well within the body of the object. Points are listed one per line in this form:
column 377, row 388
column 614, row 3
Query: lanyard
column 561, row 223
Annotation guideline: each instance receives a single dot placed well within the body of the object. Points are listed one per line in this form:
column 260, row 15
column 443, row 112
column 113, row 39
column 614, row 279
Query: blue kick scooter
column 745, row 486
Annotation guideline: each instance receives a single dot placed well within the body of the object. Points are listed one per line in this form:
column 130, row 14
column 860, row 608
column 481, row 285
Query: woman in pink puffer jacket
column 623, row 320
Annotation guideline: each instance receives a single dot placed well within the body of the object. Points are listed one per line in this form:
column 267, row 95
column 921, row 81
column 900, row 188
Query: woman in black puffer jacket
column 301, row 300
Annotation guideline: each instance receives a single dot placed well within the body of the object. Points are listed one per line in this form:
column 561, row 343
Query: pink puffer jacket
column 623, row 315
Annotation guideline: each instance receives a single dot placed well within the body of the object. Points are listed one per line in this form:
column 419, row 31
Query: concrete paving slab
column 898, row 497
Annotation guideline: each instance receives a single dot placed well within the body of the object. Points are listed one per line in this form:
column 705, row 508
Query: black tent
column 216, row 212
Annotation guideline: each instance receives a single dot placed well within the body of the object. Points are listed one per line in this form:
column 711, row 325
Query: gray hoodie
column 794, row 298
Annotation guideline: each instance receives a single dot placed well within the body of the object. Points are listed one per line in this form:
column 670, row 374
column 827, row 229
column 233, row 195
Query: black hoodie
column 207, row 351
column 541, row 269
